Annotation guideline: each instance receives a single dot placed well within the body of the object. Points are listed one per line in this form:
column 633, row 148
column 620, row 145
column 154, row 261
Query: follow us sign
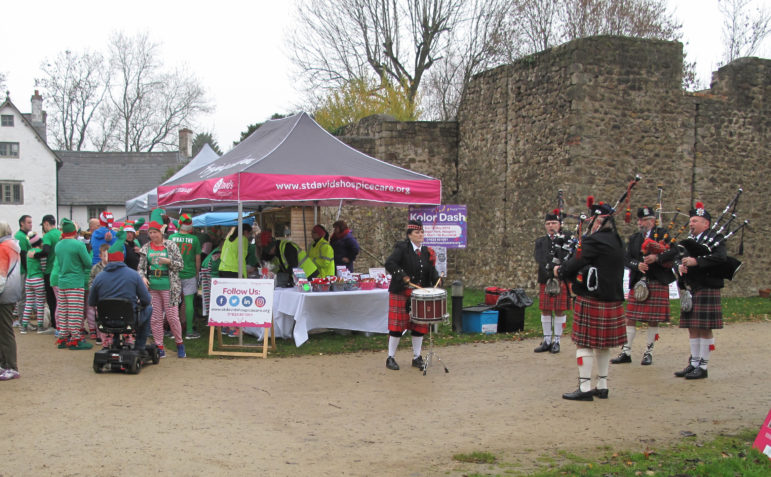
column 241, row 302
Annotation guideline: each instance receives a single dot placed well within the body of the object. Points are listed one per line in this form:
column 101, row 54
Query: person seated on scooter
column 117, row 280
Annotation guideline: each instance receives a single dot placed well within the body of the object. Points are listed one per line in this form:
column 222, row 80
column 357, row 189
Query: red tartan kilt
column 398, row 318
column 558, row 303
column 653, row 310
column 707, row 311
column 598, row 324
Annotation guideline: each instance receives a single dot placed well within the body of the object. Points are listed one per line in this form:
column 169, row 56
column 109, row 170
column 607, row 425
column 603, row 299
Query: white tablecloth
column 363, row 310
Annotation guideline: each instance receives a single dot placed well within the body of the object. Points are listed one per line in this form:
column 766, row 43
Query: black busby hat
column 645, row 213
column 598, row 208
column 700, row 211
column 554, row 215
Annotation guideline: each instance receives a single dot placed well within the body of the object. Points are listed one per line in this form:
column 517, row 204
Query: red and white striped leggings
column 161, row 299
column 71, row 303
column 35, row 290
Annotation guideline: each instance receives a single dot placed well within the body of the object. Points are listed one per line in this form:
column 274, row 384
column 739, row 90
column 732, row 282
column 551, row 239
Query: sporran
column 686, row 301
column 552, row 287
column 641, row 291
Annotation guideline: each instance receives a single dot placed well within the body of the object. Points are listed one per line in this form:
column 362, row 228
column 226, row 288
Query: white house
column 28, row 167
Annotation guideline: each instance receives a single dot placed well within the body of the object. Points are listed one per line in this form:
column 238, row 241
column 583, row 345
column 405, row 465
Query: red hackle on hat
column 699, row 205
column 589, row 201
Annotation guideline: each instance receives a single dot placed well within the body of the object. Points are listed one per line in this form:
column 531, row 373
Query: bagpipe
column 713, row 238
column 566, row 245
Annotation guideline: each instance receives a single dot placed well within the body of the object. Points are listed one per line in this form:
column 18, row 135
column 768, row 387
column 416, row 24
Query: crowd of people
column 52, row 281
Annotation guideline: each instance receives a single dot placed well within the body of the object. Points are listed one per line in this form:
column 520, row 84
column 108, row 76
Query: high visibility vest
column 323, row 257
column 302, row 258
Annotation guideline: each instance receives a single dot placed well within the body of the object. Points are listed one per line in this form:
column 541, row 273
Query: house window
column 94, row 211
column 6, row 120
column 9, row 149
column 11, row 193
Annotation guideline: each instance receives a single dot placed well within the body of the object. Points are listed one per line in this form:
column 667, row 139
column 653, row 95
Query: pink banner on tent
column 218, row 188
column 287, row 187
column 280, row 187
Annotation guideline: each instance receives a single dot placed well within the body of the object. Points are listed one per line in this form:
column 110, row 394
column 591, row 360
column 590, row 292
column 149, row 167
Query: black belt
column 158, row 273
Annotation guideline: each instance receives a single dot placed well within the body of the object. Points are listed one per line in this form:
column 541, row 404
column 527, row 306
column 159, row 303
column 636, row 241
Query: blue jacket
column 97, row 239
column 118, row 281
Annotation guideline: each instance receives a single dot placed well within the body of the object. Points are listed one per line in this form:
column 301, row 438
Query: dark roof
column 107, row 178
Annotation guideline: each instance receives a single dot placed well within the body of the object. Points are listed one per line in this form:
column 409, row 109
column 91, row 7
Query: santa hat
column 185, row 219
column 115, row 252
column 700, row 211
column 106, row 218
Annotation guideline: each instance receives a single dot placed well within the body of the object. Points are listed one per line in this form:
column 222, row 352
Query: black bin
column 510, row 319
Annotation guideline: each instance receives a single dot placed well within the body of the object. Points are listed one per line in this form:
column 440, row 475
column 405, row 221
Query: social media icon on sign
column 247, row 301
column 234, row 300
column 221, row 300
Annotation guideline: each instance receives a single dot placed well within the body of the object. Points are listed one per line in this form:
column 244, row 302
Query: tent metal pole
column 240, row 242
column 305, row 230
column 339, row 209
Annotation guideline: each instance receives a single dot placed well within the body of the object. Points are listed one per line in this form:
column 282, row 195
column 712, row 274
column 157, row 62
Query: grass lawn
column 734, row 310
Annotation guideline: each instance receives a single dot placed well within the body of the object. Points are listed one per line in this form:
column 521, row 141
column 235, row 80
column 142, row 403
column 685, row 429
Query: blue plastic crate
column 480, row 319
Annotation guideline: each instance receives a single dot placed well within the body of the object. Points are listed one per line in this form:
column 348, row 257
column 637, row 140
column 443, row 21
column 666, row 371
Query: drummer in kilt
column 409, row 263
column 707, row 313
column 644, row 267
column 553, row 305
column 597, row 273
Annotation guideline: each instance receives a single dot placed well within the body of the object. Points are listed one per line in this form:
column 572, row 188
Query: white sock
column 653, row 336
column 695, row 351
column 584, row 357
column 393, row 344
column 631, row 331
column 559, row 326
column 603, row 363
column 417, row 344
column 706, row 348
column 546, row 325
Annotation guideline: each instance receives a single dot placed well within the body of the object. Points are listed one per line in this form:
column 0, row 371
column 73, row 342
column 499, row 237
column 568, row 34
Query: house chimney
column 38, row 117
column 186, row 142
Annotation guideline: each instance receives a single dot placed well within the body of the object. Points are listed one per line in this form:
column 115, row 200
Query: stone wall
column 584, row 117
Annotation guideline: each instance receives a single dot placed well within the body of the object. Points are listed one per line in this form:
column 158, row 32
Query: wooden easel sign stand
column 237, row 302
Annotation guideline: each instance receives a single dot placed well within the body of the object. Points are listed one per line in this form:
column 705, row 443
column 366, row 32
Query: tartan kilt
column 398, row 318
column 653, row 310
column 558, row 303
column 707, row 311
column 598, row 324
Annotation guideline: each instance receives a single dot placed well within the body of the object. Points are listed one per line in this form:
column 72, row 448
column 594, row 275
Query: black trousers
column 50, row 298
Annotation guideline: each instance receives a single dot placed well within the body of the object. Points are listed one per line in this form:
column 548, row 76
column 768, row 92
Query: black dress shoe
column 647, row 359
column 683, row 373
column 621, row 358
column 579, row 395
column 543, row 347
column 601, row 393
column 391, row 364
column 697, row 373
column 418, row 363
column 555, row 348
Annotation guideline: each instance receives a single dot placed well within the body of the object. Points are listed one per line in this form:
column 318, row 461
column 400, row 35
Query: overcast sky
column 236, row 49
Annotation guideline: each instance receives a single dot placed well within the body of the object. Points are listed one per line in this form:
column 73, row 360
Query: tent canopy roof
column 294, row 161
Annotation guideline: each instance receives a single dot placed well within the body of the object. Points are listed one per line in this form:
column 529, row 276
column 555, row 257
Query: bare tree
column 743, row 32
column 392, row 40
column 2, row 80
column 148, row 103
column 76, row 84
column 481, row 39
column 538, row 23
column 638, row 18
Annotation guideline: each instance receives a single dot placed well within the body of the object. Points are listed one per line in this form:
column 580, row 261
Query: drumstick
column 437, row 282
column 413, row 285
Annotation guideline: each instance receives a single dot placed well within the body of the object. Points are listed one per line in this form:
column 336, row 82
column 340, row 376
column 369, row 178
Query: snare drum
column 428, row 305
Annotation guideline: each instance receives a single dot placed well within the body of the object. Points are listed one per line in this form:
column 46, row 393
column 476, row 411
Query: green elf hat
column 185, row 219
column 115, row 252
column 68, row 228
column 156, row 219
